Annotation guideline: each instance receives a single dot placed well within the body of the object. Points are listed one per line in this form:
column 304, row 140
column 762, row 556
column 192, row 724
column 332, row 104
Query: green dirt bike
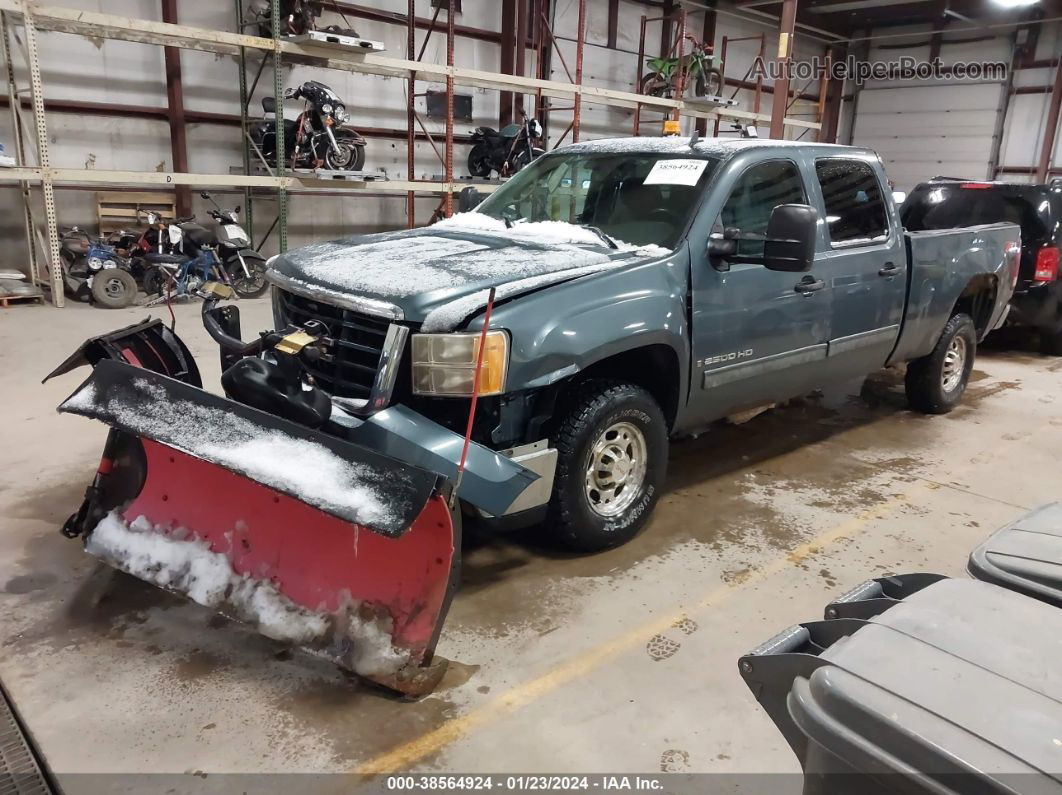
column 662, row 81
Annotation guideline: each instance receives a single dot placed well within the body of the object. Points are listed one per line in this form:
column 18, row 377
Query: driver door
column 759, row 336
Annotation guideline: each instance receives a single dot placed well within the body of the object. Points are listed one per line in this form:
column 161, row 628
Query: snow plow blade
column 314, row 540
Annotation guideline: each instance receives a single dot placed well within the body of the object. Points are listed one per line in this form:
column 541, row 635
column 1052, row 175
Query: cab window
column 756, row 193
column 855, row 210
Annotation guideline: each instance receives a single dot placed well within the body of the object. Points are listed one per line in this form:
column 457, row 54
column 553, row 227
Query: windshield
column 643, row 199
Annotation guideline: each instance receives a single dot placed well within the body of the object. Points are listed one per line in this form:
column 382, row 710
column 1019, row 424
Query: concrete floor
column 620, row 662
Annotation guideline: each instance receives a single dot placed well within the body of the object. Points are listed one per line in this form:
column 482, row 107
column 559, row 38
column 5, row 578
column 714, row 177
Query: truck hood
column 440, row 275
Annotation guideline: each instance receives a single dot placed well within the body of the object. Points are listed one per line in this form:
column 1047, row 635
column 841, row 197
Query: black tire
column 593, row 408
column 114, row 288
column 479, row 162
column 524, row 158
column 244, row 287
column 1051, row 341
column 710, row 84
column 655, row 86
column 936, row 385
column 347, row 157
column 153, row 281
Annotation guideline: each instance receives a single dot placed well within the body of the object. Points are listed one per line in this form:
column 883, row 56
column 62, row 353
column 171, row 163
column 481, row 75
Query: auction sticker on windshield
column 676, row 172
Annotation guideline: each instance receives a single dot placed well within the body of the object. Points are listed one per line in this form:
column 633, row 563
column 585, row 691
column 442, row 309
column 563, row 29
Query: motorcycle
column 191, row 261
column 94, row 270
column 505, row 151
column 245, row 266
column 317, row 137
column 697, row 67
column 296, row 17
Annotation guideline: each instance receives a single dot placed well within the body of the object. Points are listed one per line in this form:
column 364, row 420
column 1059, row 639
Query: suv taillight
column 1046, row 264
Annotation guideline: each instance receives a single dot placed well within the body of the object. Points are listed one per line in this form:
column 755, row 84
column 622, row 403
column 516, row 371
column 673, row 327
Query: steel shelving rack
column 34, row 17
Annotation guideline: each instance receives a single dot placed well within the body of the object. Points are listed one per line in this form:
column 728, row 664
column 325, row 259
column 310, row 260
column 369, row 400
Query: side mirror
column 204, row 194
column 238, row 208
column 468, row 199
column 723, row 246
column 790, row 243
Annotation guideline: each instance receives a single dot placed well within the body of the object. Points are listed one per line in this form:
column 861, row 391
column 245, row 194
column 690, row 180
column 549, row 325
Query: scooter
column 245, row 266
column 317, row 137
column 94, row 270
column 506, row 151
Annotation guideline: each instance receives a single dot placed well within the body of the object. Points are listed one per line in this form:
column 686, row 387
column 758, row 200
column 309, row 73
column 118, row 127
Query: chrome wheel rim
column 954, row 364
column 616, row 469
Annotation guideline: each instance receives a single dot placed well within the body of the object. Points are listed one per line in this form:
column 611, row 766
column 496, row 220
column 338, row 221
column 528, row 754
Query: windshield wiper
column 608, row 240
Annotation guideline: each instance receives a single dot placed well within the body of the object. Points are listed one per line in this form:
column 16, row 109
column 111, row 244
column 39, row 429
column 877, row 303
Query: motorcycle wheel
column 114, row 288
column 348, row 157
column 479, row 162
column 655, row 86
column 524, row 158
column 153, row 282
column 710, row 85
column 247, row 287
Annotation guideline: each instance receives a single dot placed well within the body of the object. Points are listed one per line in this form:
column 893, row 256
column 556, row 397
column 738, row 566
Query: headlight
column 326, row 108
column 445, row 364
column 341, row 114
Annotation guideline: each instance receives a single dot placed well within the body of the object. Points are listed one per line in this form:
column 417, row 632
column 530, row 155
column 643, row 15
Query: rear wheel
column 935, row 383
column 114, row 288
column 655, row 86
column 612, row 459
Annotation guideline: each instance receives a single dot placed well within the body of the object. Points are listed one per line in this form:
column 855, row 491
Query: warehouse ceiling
column 846, row 17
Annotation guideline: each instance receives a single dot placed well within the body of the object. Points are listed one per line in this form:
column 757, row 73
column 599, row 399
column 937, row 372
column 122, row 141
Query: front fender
column 562, row 330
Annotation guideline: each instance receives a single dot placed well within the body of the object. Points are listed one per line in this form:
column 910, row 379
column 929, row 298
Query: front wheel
column 709, row 84
column 113, row 288
column 935, row 383
column 479, row 162
column 247, row 286
column 611, row 463
column 524, row 158
column 346, row 156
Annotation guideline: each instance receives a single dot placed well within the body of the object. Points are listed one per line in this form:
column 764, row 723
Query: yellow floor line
column 406, row 754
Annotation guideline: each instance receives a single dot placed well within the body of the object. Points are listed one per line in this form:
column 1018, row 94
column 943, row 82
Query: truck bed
column 943, row 263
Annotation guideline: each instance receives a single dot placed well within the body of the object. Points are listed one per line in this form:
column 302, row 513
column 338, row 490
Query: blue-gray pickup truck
column 609, row 296
column 644, row 288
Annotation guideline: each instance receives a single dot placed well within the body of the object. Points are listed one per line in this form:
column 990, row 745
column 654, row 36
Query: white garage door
column 925, row 130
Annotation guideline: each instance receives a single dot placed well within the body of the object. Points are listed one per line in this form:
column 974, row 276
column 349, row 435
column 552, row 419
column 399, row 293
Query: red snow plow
column 316, row 540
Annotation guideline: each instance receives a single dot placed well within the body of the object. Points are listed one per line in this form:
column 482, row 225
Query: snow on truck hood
column 439, row 275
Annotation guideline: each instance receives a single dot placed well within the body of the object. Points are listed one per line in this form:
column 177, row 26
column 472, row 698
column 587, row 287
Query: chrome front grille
column 360, row 340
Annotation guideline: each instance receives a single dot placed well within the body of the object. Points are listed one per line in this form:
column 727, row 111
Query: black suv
column 946, row 203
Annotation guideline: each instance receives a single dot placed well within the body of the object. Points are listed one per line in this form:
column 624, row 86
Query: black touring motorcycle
column 505, row 151
column 317, row 137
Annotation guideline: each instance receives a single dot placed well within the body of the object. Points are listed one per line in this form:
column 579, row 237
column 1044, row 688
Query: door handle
column 809, row 285
column 889, row 269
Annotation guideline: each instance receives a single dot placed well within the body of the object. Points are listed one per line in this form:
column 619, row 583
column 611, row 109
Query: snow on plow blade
column 316, row 541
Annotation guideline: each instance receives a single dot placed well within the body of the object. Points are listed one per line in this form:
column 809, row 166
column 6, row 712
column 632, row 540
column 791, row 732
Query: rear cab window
column 855, row 208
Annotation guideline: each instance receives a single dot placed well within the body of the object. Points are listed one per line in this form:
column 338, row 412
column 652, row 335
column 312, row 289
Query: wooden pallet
column 7, row 300
column 124, row 209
